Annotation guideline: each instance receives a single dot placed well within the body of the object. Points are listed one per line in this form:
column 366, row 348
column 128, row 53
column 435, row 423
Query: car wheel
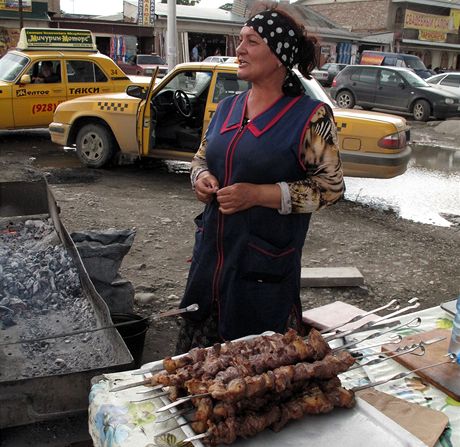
column 345, row 99
column 94, row 145
column 421, row 110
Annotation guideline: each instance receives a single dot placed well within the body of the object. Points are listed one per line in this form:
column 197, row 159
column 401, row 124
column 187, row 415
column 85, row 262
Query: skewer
column 150, row 389
column 452, row 359
column 141, row 372
column 180, row 401
column 425, row 343
column 394, row 340
column 164, row 393
column 412, row 323
column 195, row 438
column 359, row 317
column 414, row 303
column 132, row 385
column 191, row 308
column 384, row 359
column 173, row 415
column 161, row 433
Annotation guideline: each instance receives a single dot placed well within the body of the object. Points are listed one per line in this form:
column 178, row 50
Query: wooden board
column 424, row 423
column 444, row 377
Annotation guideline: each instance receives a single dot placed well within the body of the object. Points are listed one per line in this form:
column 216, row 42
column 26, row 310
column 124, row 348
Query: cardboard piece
column 335, row 313
column 424, row 423
column 445, row 377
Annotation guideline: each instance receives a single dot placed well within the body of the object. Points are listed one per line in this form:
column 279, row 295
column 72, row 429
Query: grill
column 45, row 290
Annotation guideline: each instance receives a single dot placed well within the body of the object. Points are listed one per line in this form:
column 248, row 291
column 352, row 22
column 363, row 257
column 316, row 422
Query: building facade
column 426, row 28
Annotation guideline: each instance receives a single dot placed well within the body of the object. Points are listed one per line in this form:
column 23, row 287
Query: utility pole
column 171, row 38
column 21, row 18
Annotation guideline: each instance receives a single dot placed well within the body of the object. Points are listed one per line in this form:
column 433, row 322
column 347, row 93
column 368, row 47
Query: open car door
column 144, row 119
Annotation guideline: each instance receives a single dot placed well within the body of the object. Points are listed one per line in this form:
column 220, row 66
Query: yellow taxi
column 51, row 66
column 169, row 120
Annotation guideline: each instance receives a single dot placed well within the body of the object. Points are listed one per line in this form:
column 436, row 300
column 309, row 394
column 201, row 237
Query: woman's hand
column 206, row 186
column 241, row 196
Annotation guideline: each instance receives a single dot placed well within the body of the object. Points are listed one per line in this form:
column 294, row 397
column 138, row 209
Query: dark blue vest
column 248, row 263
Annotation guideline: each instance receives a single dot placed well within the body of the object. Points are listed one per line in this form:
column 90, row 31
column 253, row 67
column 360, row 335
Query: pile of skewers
column 240, row 388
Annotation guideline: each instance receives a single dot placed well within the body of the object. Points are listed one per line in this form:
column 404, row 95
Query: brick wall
column 357, row 16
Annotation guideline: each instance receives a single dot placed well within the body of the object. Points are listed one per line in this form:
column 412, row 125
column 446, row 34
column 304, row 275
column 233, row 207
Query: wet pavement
column 428, row 192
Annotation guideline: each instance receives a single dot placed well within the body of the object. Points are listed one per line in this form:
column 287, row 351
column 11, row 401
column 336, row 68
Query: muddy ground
column 398, row 258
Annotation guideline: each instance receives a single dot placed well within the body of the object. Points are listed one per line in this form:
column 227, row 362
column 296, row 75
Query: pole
column 171, row 39
column 21, row 18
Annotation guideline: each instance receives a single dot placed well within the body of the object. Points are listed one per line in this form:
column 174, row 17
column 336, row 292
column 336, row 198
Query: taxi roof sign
column 56, row 39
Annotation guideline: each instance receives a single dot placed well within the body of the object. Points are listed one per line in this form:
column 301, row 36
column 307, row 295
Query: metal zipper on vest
column 220, row 217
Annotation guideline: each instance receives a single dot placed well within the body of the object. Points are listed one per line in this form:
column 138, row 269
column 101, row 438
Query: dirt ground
column 398, row 258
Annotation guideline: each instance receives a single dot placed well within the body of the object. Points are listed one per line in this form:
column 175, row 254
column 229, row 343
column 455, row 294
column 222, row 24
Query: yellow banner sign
column 13, row 5
column 455, row 19
column 432, row 36
column 427, row 22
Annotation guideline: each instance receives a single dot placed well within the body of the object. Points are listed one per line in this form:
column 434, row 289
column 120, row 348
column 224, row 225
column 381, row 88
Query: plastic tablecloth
column 125, row 419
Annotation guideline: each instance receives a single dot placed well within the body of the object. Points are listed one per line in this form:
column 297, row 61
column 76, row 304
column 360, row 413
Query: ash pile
column 40, row 296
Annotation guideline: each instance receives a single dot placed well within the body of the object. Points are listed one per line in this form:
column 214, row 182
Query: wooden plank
column 331, row 277
column 444, row 377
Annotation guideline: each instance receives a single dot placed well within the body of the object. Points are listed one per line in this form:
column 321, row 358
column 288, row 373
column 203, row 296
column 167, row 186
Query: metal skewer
column 359, row 317
column 163, row 393
column 191, row 308
column 394, row 340
column 173, row 415
column 414, row 303
column 425, row 343
column 171, row 429
column 195, row 438
column 134, row 385
column 385, row 358
column 180, row 401
column 412, row 323
column 452, row 359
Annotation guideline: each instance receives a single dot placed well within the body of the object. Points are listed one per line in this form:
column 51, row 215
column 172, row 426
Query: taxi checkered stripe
column 341, row 126
column 112, row 106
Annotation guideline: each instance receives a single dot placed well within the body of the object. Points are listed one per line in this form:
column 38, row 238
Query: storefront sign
column 56, row 38
column 146, row 12
column 13, row 5
column 432, row 36
column 427, row 22
column 454, row 19
column 326, row 50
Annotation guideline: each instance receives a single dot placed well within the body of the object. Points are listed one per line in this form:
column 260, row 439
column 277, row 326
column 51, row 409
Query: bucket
column 133, row 334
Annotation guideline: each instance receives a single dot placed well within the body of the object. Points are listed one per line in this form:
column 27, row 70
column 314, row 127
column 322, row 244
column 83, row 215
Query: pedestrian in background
column 195, row 54
column 269, row 159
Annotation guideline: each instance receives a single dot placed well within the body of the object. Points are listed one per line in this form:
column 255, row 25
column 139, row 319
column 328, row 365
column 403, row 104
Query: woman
column 268, row 160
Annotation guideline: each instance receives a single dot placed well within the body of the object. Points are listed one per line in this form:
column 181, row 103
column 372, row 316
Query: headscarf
column 278, row 32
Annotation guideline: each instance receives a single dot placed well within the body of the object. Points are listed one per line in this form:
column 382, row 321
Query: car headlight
column 449, row 101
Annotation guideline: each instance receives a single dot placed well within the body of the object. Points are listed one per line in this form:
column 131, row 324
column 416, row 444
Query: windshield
column 149, row 59
column 414, row 63
column 413, row 79
column 314, row 90
column 11, row 66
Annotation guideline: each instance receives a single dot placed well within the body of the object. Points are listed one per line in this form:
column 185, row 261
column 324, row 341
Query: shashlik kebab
column 249, row 357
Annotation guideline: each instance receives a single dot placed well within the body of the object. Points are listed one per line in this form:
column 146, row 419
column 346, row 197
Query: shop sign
column 432, row 36
column 13, row 5
column 326, row 50
column 427, row 22
column 31, row 38
column 454, row 19
column 146, row 12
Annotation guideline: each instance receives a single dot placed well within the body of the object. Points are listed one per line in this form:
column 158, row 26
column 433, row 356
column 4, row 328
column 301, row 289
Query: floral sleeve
column 324, row 183
column 199, row 164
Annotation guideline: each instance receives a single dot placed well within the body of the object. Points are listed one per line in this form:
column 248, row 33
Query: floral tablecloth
column 125, row 419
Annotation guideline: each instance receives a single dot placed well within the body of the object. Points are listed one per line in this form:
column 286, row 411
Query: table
column 115, row 420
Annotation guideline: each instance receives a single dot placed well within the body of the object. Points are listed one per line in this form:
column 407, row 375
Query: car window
column 143, row 59
column 413, row 79
column 451, row 80
column 368, row 76
column 84, row 71
column 45, row 72
column 11, row 65
column 228, row 84
column 414, row 63
column 389, row 78
column 389, row 60
column 194, row 82
column 435, row 79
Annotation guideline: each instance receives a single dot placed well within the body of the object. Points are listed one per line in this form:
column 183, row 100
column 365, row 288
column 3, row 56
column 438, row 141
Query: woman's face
column 255, row 59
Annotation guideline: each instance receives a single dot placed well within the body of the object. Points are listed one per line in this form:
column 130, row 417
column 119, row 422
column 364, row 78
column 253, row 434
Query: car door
column 363, row 82
column 85, row 78
column 392, row 91
column 34, row 103
column 451, row 83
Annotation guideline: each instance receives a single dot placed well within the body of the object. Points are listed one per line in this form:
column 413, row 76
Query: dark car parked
column 392, row 88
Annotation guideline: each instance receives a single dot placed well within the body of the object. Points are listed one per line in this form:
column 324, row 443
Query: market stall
column 418, row 416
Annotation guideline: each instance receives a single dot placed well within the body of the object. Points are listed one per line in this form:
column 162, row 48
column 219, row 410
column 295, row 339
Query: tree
column 184, row 2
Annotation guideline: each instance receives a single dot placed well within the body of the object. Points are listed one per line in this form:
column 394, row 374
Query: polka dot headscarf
column 279, row 34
